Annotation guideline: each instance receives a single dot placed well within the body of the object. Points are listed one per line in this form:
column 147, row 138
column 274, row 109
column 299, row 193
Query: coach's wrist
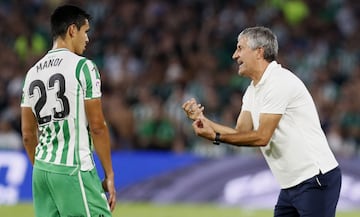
column 216, row 140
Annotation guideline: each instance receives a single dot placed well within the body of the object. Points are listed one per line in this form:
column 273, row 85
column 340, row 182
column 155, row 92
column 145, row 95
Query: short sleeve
column 89, row 77
column 25, row 94
column 245, row 100
column 276, row 99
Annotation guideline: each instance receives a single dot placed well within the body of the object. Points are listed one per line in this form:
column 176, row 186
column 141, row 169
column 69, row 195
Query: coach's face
column 245, row 57
column 80, row 38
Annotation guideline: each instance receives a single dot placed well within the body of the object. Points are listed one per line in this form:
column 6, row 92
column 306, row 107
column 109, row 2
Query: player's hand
column 192, row 109
column 109, row 186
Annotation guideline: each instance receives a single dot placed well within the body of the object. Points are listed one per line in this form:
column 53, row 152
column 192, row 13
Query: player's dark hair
column 64, row 16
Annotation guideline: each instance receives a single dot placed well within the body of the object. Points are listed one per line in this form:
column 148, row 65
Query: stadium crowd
column 155, row 54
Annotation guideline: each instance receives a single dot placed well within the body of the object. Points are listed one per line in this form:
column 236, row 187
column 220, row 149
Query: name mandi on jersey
column 48, row 63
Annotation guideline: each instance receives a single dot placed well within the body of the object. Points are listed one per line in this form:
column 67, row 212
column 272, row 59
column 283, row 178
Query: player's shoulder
column 88, row 64
column 73, row 56
column 62, row 54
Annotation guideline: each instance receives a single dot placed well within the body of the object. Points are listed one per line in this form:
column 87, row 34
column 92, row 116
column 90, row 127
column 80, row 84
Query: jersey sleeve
column 25, row 93
column 89, row 78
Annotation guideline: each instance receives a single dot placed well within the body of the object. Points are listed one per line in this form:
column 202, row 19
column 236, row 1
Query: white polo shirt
column 298, row 149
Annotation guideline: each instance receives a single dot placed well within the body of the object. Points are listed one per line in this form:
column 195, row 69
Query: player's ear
column 72, row 30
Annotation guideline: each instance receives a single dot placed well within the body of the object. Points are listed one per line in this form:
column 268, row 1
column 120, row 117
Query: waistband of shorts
column 56, row 168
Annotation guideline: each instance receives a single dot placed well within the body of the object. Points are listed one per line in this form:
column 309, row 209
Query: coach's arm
column 244, row 134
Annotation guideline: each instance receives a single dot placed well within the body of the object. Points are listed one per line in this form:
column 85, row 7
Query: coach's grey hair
column 260, row 36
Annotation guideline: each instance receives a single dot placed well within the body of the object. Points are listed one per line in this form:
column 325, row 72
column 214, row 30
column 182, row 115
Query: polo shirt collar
column 266, row 74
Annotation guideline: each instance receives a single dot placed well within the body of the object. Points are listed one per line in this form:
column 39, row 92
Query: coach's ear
column 259, row 53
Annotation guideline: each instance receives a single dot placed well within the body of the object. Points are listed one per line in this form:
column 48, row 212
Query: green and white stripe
column 64, row 142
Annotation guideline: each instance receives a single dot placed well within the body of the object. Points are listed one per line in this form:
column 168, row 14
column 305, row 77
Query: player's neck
column 61, row 43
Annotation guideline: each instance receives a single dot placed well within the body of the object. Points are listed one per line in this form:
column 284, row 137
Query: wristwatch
column 217, row 139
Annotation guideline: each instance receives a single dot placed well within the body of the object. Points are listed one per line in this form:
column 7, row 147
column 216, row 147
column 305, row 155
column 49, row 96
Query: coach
column 279, row 116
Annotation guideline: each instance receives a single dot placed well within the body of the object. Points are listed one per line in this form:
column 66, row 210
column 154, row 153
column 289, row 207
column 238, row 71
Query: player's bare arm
column 101, row 138
column 29, row 131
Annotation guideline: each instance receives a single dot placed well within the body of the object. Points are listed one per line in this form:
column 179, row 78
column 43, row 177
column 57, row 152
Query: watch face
column 217, row 139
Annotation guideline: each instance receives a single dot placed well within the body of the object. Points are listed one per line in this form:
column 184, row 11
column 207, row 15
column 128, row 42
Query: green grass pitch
column 157, row 210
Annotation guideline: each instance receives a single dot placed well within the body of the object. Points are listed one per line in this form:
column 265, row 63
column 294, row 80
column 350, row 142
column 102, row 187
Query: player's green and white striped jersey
column 55, row 88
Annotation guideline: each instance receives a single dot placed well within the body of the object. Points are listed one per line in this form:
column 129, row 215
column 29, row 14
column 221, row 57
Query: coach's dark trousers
column 315, row 197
